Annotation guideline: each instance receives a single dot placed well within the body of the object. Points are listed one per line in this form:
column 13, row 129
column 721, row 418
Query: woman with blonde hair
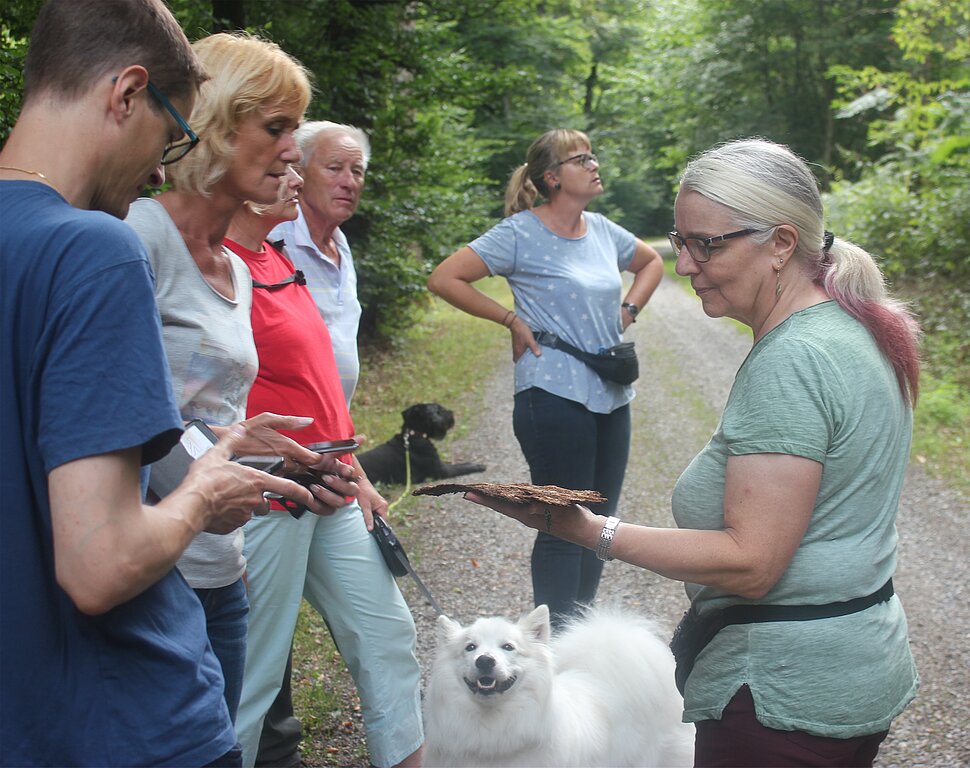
column 564, row 266
column 245, row 116
column 795, row 649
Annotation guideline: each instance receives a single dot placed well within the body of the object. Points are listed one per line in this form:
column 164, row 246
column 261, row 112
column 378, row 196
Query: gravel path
column 476, row 562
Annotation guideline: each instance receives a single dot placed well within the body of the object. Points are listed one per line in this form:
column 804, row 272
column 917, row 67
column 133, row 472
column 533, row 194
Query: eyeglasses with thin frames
column 699, row 247
column 297, row 277
column 174, row 152
column 584, row 159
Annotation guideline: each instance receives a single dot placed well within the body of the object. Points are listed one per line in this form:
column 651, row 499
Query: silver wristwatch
column 606, row 538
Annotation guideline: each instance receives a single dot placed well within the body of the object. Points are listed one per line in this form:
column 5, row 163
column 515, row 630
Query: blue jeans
column 569, row 446
column 226, row 621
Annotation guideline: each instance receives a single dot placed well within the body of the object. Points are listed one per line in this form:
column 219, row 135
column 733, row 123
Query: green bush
column 13, row 50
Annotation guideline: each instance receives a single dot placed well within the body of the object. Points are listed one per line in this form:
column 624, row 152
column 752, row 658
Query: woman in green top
column 793, row 501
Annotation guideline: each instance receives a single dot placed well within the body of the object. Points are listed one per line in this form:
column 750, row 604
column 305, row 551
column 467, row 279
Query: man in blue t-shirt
column 104, row 658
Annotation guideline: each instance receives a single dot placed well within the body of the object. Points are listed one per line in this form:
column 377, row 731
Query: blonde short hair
column 246, row 74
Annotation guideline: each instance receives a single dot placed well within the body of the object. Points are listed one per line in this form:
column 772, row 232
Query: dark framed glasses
column 699, row 247
column 174, row 152
column 585, row 159
column 297, row 277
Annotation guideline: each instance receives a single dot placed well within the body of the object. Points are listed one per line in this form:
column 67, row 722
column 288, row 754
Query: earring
column 557, row 185
column 778, row 278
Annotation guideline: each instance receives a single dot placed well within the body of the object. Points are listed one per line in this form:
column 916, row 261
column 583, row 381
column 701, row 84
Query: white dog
column 601, row 693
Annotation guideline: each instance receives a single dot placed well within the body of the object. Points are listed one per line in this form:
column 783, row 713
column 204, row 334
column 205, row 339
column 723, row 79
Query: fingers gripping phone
column 307, row 477
column 335, row 446
column 269, row 464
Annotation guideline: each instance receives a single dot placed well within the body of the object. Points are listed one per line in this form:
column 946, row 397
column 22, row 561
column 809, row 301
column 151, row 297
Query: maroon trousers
column 740, row 741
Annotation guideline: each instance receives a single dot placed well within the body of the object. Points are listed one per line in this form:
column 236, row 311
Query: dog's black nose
column 485, row 663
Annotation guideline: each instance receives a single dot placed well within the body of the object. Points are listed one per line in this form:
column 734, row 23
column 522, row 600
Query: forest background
column 875, row 94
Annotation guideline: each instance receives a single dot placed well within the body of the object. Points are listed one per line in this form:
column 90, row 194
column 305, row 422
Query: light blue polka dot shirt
column 570, row 287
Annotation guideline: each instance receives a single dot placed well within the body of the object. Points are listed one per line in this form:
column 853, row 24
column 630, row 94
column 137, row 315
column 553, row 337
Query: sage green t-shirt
column 816, row 387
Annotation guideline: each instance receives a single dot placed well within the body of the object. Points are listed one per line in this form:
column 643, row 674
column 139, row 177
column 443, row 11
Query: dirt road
column 477, row 562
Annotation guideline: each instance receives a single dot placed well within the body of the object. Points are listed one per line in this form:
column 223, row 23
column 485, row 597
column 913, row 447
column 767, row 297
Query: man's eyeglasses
column 297, row 277
column 586, row 159
column 699, row 247
column 177, row 151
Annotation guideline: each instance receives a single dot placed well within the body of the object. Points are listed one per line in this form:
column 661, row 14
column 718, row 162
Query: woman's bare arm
column 768, row 505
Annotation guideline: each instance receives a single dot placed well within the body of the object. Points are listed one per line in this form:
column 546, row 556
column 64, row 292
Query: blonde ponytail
column 521, row 193
column 851, row 276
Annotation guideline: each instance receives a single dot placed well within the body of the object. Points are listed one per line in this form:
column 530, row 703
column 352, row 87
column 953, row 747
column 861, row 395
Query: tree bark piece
column 519, row 493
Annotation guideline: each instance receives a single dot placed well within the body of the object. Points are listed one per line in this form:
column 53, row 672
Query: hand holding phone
column 270, row 464
column 335, row 446
column 307, row 477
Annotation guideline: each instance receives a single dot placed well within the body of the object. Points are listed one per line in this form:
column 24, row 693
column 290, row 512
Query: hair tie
column 827, row 239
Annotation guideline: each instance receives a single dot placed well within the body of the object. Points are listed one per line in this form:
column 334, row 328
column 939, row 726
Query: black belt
column 695, row 630
column 755, row 614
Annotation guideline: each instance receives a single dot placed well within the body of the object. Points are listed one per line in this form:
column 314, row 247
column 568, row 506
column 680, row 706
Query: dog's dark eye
column 508, row 647
column 470, row 647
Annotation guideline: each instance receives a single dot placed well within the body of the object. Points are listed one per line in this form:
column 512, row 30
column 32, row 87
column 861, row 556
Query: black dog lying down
column 423, row 423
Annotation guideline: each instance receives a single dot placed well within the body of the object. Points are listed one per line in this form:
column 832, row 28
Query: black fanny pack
column 695, row 631
column 617, row 364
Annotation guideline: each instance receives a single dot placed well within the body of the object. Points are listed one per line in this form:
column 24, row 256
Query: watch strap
column 606, row 538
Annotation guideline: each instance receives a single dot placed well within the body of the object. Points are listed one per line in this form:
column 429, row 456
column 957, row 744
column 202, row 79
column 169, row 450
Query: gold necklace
column 38, row 174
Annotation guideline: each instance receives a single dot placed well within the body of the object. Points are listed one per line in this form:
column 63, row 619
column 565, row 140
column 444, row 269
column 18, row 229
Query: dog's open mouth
column 488, row 686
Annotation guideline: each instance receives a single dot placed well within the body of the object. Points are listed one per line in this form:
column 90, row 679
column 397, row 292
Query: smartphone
column 270, row 464
column 335, row 446
column 197, row 438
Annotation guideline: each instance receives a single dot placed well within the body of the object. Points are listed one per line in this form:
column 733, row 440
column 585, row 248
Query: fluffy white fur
column 601, row 693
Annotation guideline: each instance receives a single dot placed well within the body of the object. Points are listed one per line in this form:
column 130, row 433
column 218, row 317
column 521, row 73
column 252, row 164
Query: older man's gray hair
column 309, row 134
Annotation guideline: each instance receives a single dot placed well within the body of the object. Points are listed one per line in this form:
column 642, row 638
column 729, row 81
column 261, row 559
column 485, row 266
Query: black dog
column 423, row 423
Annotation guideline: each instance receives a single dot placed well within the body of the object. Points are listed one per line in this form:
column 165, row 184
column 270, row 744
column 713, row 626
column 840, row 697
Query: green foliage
column 16, row 20
column 912, row 206
column 874, row 93
column 12, row 53
column 941, row 431
column 393, row 70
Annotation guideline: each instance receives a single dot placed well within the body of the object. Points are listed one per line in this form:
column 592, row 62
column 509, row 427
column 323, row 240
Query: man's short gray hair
column 309, row 133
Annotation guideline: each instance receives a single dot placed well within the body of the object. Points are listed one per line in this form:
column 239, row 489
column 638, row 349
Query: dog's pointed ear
column 447, row 628
column 537, row 624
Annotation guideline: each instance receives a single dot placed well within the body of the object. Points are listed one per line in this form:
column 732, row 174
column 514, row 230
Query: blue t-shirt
column 570, row 287
column 83, row 373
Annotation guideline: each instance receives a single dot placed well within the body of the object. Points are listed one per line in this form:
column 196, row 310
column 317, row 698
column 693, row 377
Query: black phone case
column 170, row 470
